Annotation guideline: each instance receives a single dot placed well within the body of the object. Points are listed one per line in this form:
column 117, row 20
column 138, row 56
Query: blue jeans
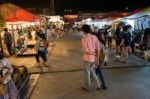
column 41, row 54
column 89, row 72
column 98, row 71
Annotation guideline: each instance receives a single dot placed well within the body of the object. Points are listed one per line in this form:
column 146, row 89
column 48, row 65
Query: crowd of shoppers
column 95, row 50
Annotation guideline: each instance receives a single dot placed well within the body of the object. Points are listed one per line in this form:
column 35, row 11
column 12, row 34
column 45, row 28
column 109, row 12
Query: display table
column 30, row 50
column 31, row 42
column 21, row 79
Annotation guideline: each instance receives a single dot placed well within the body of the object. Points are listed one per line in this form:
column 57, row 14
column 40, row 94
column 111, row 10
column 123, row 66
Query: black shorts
column 118, row 42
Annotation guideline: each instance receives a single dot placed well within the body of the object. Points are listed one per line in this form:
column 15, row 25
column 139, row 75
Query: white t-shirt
column 109, row 32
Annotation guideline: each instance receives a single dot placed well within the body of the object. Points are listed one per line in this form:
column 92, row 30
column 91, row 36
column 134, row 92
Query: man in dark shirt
column 8, row 40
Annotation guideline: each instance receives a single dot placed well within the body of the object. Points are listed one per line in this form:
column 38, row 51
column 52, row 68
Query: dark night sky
column 84, row 5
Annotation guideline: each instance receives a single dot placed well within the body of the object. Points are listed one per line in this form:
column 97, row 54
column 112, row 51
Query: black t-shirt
column 126, row 36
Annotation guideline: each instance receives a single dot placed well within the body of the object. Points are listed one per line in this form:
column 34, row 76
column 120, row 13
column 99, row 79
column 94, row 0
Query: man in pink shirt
column 91, row 51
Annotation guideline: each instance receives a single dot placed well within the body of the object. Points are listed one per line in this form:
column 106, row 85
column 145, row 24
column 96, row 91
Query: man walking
column 8, row 40
column 91, row 53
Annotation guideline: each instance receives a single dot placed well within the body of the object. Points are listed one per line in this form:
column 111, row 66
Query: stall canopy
column 13, row 13
column 55, row 19
column 139, row 13
column 114, row 15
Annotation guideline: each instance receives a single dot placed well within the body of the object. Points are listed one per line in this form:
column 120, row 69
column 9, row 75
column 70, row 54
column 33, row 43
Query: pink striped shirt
column 90, row 43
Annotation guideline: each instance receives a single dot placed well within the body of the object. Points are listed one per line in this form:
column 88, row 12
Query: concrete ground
column 65, row 77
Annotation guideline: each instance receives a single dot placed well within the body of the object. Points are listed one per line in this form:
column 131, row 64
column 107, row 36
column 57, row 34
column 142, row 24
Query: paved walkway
column 125, row 81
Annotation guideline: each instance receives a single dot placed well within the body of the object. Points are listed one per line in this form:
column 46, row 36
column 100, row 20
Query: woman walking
column 146, row 43
column 101, row 59
column 41, row 48
column 125, row 44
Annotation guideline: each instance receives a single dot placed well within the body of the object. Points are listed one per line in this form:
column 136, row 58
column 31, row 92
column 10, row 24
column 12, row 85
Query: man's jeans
column 100, row 74
column 89, row 72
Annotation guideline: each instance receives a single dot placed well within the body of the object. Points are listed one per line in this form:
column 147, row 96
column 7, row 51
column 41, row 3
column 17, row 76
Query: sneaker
column 85, row 89
column 46, row 64
column 98, row 88
column 117, row 56
column 105, row 64
column 104, row 87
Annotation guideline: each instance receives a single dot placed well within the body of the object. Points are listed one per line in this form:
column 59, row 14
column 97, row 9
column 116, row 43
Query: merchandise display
column 21, row 78
column 28, row 49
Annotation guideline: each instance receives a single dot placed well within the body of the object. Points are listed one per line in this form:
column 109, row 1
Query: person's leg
column 87, row 75
column 145, row 55
column 93, row 74
column 132, row 46
column 109, row 41
column 126, row 53
column 101, row 77
column 9, row 49
column 123, row 54
column 37, row 58
column 117, row 47
column 118, row 51
column 101, row 56
column 43, row 55
column 106, row 57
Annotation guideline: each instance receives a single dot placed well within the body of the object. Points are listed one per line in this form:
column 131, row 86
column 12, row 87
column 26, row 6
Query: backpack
column 8, row 38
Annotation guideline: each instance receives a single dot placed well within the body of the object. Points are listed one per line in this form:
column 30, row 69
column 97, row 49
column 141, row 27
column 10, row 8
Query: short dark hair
column 5, row 29
column 86, row 28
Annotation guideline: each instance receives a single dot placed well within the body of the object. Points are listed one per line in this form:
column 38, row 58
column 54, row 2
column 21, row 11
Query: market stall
column 17, row 20
column 139, row 20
